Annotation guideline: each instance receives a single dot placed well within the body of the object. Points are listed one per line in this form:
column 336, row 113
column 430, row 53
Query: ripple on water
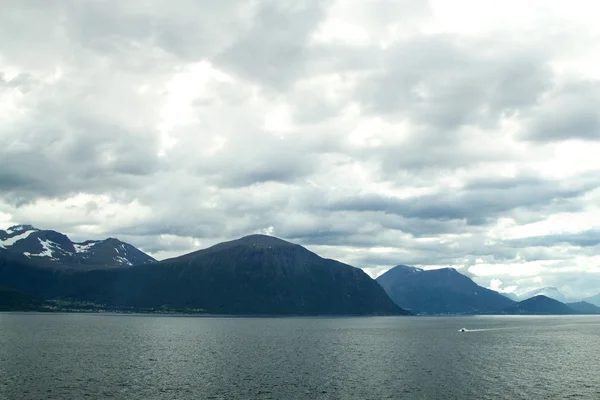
column 151, row 357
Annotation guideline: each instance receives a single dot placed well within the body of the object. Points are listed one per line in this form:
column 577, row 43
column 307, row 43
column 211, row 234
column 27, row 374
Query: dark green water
column 78, row 356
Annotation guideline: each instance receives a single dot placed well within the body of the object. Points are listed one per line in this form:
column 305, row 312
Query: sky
column 457, row 134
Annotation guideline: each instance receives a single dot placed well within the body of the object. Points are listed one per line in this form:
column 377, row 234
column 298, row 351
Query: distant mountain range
column 253, row 275
column 583, row 307
column 440, row 291
column 550, row 292
column 511, row 296
column 53, row 249
column 540, row 305
column 256, row 274
column 555, row 294
column 595, row 300
column 544, row 305
column 447, row 291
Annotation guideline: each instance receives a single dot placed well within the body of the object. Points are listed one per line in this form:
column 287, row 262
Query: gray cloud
column 96, row 156
column 590, row 238
column 570, row 113
column 272, row 52
column 476, row 203
column 446, row 83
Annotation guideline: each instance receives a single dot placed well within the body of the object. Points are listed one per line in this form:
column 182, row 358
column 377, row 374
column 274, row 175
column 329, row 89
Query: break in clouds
column 384, row 132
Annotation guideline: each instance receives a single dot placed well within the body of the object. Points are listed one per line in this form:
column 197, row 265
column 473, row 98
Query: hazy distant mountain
column 440, row 291
column 253, row 275
column 550, row 292
column 583, row 307
column 540, row 305
column 511, row 296
column 595, row 300
column 53, row 249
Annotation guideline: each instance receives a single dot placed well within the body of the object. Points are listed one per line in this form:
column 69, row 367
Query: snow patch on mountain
column 122, row 260
column 83, row 248
column 47, row 248
column 14, row 239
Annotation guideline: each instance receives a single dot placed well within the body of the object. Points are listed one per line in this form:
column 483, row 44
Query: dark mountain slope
column 440, row 291
column 24, row 275
column 11, row 300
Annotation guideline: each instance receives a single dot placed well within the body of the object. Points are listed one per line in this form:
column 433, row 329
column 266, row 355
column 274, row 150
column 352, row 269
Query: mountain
column 511, row 296
column 540, row 305
column 595, row 300
column 253, row 275
column 550, row 292
column 53, row 249
column 440, row 291
column 583, row 307
column 11, row 300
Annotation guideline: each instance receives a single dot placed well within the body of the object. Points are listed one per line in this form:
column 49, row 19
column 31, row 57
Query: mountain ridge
column 49, row 248
column 549, row 291
column 595, row 300
column 540, row 305
column 583, row 307
column 254, row 274
column 439, row 291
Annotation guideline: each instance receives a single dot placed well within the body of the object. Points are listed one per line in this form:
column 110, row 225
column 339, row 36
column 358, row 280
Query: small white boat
column 462, row 330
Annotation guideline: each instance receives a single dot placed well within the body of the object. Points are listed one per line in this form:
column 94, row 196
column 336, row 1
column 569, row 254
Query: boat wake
column 479, row 330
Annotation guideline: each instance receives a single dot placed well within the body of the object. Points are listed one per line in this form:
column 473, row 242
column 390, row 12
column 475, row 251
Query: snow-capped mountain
column 51, row 248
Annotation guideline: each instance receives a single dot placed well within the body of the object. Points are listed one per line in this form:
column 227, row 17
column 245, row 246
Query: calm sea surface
column 78, row 356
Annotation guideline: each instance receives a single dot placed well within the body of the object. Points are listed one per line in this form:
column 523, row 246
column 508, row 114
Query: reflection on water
column 74, row 356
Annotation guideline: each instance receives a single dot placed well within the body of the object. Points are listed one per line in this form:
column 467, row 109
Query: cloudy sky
column 378, row 132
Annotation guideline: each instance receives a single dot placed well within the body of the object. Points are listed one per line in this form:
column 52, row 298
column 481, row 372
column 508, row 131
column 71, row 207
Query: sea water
column 78, row 356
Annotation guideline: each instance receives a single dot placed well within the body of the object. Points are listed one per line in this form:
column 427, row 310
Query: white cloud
column 335, row 30
column 182, row 89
